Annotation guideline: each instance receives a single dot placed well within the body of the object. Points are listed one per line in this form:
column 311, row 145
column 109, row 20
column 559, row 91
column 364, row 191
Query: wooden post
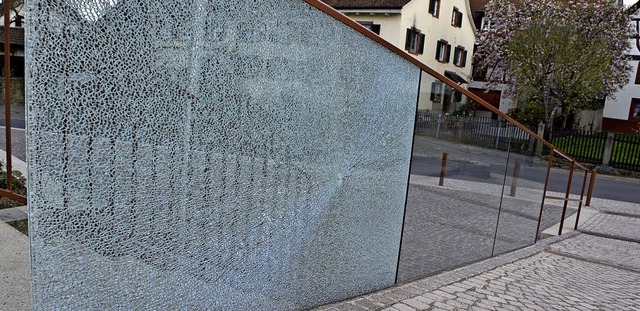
column 443, row 169
column 516, row 175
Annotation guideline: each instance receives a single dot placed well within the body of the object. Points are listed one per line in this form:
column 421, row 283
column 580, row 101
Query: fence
column 625, row 152
column 616, row 150
column 480, row 131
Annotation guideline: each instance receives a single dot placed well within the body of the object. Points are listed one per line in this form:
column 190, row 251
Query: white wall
column 619, row 106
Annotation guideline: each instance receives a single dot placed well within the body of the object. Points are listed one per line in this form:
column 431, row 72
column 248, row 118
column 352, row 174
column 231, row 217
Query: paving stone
column 613, row 226
column 368, row 304
column 609, row 251
column 403, row 307
column 379, row 298
column 397, row 294
column 418, row 302
column 444, row 306
column 349, row 307
column 457, row 304
column 434, row 297
column 443, row 294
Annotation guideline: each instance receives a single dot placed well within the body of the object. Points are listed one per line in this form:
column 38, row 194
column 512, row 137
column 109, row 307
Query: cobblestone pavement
column 576, row 271
column 446, row 228
column 616, row 207
column 614, row 226
column 612, row 252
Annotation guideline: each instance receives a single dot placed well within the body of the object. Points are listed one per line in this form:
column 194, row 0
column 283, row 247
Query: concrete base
column 585, row 214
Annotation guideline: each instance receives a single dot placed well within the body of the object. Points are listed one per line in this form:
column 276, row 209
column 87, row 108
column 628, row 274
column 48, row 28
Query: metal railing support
column 544, row 193
column 566, row 197
column 584, row 185
column 592, row 183
column 6, row 10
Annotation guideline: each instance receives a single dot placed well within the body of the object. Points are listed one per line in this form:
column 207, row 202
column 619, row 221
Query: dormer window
column 371, row 26
column 434, row 7
column 456, row 18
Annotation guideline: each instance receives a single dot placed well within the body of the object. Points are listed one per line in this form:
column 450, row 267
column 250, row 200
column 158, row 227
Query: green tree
column 559, row 55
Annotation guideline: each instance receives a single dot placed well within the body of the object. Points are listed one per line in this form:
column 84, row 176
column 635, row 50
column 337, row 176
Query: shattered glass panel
column 191, row 155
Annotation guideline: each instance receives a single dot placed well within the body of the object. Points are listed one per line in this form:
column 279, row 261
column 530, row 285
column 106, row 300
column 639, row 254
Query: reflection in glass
column 454, row 224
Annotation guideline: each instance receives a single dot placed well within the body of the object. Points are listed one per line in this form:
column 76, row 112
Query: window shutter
column 421, row 46
column 376, row 29
column 456, row 56
column 407, row 43
column 448, row 53
column 464, row 59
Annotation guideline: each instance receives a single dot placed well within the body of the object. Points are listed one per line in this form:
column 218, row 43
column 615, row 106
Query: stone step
column 13, row 214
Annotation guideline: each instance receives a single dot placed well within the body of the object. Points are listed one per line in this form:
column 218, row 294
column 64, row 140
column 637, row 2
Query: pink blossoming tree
column 554, row 53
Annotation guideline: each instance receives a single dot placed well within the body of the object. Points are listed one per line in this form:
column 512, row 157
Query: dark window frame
column 634, row 111
column 456, row 18
column 414, row 42
column 460, row 56
column 371, row 26
column 434, row 8
column 436, row 92
column 443, row 51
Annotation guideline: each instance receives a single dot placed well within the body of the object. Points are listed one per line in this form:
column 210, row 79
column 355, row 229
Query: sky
column 629, row 2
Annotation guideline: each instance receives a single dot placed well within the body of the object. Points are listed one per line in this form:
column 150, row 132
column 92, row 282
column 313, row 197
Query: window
column 434, row 7
column 460, row 56
column 456, row 18
column 478, row 20
column 457, row 96
column 371, row 26
column 635, row 108
column 485, row 24
column 415, row 41
column 638, row 75
column 443, row 49
column 436, row 92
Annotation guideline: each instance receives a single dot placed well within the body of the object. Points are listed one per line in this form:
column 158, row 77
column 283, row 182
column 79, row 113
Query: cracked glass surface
column 191, row 155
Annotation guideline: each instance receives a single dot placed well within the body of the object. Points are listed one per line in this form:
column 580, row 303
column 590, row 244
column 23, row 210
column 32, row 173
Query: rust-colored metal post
column 566, row 196
column 6, row 10
column 443, row 169
column 544, row 193
column 592, row 183
column 584, row 185
column 514, row 180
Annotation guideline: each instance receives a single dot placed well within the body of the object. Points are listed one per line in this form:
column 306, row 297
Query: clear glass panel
column 450, row 225
column 212, row 155
column 523, row 191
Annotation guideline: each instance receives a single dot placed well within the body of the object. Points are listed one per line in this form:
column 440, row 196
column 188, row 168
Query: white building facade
column 439, row 33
